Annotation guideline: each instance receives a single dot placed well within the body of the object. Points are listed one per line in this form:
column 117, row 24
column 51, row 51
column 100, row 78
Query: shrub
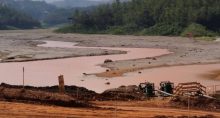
column 115, row 30
column 127, row 29
column 197, row 30
column 163, row 29
column 76, row 29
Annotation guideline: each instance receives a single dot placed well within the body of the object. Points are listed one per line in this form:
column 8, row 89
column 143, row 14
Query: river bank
column 142, row 65
column 21, row 46
column 24, row 46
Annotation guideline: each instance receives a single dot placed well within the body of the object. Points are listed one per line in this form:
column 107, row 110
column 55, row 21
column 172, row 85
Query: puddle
column 44, row 73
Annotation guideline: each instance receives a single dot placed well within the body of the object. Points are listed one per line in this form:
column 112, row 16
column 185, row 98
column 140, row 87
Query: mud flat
column 18, row 46
column 186, row 51
column 23, row 46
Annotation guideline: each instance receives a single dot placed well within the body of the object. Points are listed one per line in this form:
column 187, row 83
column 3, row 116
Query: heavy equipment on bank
column 167, row 89
column 148, row 89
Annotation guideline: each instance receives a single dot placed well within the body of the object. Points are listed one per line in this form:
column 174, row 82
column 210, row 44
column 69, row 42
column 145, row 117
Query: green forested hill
column 10, row 19
column 150, row 17
column 37, row 9
column 81, row 3
column 45, row 13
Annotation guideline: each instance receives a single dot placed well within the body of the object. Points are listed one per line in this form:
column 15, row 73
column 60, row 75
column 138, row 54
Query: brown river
column 45, row 73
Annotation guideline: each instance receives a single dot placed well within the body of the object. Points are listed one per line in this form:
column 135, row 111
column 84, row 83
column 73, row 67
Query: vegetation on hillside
column 150, row 17
column 45, row 13
column 11, row 19
column 81, row 3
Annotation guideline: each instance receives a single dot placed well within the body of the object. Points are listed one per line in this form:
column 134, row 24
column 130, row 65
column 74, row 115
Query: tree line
column 150, row 17
column 11, row 19
column 46, row 14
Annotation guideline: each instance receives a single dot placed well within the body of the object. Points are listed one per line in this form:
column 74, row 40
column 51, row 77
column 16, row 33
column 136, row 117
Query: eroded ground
column 20, row 110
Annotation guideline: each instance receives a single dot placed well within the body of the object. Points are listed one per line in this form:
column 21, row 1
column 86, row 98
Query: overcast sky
column 61, row 0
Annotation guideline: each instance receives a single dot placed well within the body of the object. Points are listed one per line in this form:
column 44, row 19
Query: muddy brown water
column 45, row 73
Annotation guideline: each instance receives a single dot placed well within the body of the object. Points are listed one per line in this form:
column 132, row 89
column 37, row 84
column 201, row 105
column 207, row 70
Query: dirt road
column 20, row 110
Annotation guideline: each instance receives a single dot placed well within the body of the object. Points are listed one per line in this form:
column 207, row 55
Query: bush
column 197, row 30
column 163, row 29
column 206, row 38
column 115, row 30
column 65, row 29
column 127, row 29
column 76, row 29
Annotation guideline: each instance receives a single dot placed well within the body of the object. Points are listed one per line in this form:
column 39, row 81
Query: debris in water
column 85, row 74
column 108, row 61
column 107, row 83
column 114, row 73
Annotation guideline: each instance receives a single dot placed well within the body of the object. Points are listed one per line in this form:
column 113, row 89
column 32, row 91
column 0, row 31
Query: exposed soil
column 79, row 93
column 51, row 95
column 40, row 97
column 196, row 103
column 122, row 93
column 11, row 110
column 214, row 75
column 18, row 46
column 119, row 102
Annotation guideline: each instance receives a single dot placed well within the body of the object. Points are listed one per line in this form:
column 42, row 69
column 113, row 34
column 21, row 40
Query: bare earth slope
column 11, row 110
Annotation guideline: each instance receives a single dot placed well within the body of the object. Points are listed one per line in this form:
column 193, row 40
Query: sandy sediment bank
column 21, row 46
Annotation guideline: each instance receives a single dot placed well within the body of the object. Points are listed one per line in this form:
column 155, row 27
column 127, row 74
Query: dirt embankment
column 124, row 93
column 80, row 93
column 119, row 102
column 14, row 94
column 11, row 110
column 80, row 97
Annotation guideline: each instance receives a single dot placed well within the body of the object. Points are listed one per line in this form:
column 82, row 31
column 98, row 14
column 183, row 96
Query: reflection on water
column 44, row 73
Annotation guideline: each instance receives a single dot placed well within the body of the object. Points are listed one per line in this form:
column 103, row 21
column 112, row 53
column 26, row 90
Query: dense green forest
column 150, row 17
column 51, row 14
column 46, row 14
column 77, row 3
column 37, row 9
column 11, row 19
column 81, row 3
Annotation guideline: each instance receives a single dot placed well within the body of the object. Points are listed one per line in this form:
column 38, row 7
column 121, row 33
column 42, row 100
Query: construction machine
column 167, row 88
column 148, row 89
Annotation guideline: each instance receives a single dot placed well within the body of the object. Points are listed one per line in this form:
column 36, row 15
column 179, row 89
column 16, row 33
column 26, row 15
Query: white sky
column 61, row 0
